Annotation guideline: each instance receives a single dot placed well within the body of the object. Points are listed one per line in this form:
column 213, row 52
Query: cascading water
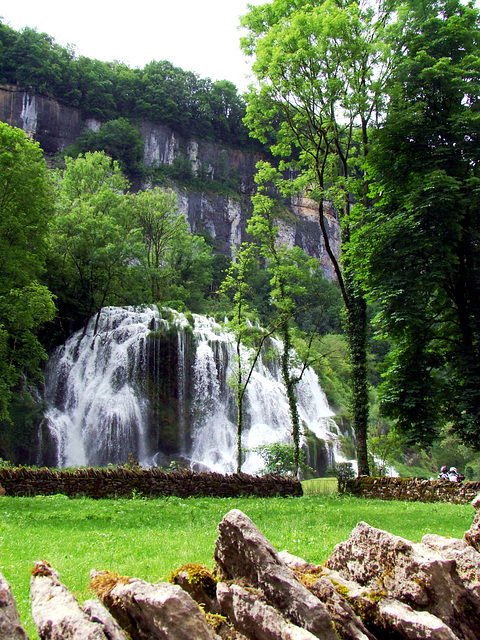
column 158, row 390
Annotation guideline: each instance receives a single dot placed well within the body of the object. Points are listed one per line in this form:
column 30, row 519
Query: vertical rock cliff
column 222, row 217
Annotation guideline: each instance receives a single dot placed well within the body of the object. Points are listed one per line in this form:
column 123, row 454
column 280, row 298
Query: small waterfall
column 158, row 390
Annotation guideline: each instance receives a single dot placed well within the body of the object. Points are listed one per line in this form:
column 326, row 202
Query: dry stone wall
column 413, row 489
column 125, row 482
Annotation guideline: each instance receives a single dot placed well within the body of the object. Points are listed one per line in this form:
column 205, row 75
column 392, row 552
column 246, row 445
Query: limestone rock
column 413, row 573
column 413, row 625
column 96, row 612
column 55, row 611
column 199, row 583
column 472, row 536
column 242, row 551
column 10, row 625
column 255, row 618
column 467, row 561
column 160, row 611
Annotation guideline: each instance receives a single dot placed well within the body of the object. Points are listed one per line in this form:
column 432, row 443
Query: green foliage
column 120, row 140
column 25, row 304
column 418, row 248
column 384, row 447
column 343, row 472
column 96, row 249
column 281, row 457
column 110, row 91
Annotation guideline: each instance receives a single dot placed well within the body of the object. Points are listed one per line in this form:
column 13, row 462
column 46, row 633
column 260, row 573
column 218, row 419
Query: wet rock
column 56, row 613
column 10, row 625
column 242, row 551
column 255, row 618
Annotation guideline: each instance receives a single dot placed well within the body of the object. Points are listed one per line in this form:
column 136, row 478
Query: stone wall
column 126, row 482
column 413, row 489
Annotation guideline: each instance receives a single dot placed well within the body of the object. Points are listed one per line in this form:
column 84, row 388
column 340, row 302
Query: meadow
column 149, row 538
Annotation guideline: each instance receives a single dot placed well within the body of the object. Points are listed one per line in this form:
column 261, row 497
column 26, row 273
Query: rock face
column 222, row 217
column 10, row 626
column 374, row 586
column 242, row 551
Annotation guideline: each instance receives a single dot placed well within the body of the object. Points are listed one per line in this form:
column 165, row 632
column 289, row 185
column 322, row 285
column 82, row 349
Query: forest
column 374, row 108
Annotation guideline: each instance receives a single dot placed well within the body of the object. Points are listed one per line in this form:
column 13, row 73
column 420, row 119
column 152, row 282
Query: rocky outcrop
column 222, row 217
column 10, row 626
column 374, row 586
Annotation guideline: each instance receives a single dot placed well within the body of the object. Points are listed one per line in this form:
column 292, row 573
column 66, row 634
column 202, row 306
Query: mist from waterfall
column 108, row 395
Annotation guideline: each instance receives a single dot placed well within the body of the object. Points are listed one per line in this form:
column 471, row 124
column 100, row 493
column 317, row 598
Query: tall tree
column 94, row 241
column 322, row 68
column 418, row 250
column 26, row 206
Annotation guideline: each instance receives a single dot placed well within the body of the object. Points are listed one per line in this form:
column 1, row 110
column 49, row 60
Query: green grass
column 319, row 486
column 150, row 538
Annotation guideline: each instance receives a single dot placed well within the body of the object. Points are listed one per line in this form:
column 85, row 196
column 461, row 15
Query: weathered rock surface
column 55, row 611
column 160, row 611
column 472, row 536
column 415, row 574
column 254, row 617
column 410, row 624
column 242, row 551
column 10, row 625
column 96, row 612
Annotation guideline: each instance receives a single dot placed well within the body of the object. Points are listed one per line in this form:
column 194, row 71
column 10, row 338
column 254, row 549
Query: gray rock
column 413, row 573
column 242, row 551
column 255, row 618
column 10, row 625
column 96, row 612
column 160, row 611
column 56, row 613
column 413, row 625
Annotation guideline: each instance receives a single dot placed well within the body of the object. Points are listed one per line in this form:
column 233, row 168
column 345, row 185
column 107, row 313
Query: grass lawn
column 150, row 538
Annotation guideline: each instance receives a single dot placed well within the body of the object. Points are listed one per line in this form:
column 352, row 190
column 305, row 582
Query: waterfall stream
column 158, row 390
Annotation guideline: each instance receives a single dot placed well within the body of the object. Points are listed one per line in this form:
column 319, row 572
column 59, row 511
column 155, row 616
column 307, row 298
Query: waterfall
column 157, row 389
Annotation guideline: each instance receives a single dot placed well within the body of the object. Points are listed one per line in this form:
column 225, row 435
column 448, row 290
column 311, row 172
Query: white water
column 97, row 402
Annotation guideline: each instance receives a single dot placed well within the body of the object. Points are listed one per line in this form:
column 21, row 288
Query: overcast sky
column 196, row 35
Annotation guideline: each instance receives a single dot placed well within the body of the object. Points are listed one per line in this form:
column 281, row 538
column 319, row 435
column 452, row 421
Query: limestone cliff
column 222, row 217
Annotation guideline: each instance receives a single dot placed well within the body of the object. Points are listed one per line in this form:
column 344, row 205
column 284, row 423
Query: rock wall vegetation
column 214, row 183
column 374, row 586
column 412, row 489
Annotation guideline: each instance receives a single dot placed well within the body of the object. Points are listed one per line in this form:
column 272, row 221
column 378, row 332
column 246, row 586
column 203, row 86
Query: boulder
column 410, row 624
column 96, row 612
column 55, row 611
column 467, row 562
column 413, row 573
column 253, row 617
column 147, row 611
column 243, row 552
column 10, row 625
column 472, row 536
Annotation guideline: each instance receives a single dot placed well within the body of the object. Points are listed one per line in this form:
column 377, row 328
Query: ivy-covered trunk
column 290, row 383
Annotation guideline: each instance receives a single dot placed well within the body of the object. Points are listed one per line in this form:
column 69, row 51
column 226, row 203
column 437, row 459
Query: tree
column 94, row 241
column 156, row 213
column 418, row 250
column 120, row 140
column 290, row 271
column 25, row 304
column 322, row 68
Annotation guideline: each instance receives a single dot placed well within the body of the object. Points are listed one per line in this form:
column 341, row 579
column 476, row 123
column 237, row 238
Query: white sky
column 196, row 35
